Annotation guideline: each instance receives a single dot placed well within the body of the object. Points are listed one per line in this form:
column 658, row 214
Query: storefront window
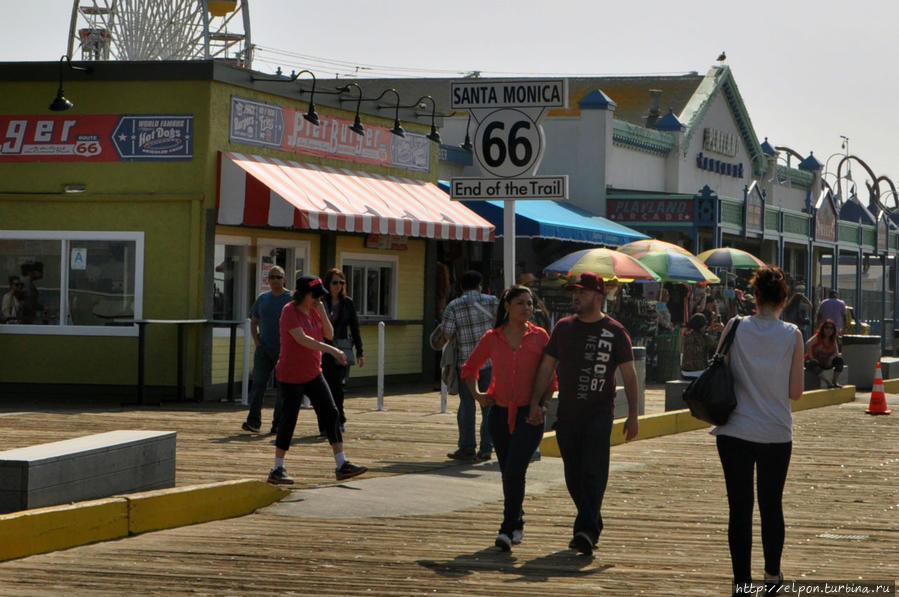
column 101, row 281
column 230, row 269
column 101, row 273
column 370, row 283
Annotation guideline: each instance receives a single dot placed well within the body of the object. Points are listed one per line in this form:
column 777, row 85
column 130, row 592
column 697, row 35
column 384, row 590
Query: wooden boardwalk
column 665, row 513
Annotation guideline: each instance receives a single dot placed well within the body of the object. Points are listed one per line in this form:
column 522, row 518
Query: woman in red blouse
column 515, row 346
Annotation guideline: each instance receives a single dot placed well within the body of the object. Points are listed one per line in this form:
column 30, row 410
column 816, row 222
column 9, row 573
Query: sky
column 809, row 72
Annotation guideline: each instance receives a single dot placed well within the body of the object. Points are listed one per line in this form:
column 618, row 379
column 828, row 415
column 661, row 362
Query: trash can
column 668, row 350
column 861, row 354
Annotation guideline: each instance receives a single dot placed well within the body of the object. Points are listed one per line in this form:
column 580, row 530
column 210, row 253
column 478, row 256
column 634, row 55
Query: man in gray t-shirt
column 264, row 316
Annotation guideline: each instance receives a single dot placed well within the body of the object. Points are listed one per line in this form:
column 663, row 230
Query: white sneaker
column 517, row 534
column 503, row 542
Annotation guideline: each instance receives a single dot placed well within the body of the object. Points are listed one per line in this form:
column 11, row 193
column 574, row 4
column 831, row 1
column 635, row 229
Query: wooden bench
column 85, row 468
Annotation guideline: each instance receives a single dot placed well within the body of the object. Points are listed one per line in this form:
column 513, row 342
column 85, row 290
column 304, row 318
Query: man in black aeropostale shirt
column 585, row 350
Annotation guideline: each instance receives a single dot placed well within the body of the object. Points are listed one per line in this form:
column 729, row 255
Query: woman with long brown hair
column 822, row 353
column 515, row 346
column 342, row 314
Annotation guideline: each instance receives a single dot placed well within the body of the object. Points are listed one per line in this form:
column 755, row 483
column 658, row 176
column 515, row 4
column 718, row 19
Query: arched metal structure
column 161, row 30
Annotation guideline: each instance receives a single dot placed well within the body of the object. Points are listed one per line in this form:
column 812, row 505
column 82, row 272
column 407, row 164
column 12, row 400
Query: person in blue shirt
column 264, row 317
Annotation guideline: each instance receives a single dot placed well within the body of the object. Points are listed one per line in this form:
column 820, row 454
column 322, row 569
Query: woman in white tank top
column 766, row 360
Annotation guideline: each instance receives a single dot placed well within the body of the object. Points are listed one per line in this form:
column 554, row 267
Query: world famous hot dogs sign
column 96, row 137
column 284, row 128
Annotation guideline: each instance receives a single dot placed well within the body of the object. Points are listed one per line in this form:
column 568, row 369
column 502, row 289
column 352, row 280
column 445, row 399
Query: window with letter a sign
column 509, row 141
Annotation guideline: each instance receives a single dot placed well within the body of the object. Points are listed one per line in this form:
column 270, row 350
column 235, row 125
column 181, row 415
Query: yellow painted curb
column 58, row 527
column 47, row 529
column 179, row 506
column 678, row 421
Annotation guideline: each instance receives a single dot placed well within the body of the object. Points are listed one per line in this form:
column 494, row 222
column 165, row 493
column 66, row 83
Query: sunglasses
column 276, row 277
column 337, row 283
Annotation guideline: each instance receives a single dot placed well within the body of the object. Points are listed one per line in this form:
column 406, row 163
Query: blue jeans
column 264, row 361
column 584, row 446
column 466, row 418
column 513, row 451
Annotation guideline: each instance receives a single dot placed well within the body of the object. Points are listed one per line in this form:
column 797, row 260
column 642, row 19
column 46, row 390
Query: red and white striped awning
column 263, row 191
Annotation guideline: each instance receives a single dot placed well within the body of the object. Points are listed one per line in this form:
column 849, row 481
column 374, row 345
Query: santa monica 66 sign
column 509, row 141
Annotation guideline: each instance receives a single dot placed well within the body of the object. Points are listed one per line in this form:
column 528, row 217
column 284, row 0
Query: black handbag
column 711, row 396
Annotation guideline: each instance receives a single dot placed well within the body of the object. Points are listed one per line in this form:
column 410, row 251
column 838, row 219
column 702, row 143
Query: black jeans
column 335, row 374
column 513, row 451
column 739, row 458
column 322, row 402
column 584, row 445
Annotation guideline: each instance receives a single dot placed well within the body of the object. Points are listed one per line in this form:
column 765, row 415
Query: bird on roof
column 722, row 56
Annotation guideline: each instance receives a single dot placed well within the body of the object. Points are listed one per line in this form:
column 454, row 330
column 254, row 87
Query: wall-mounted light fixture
column 433, row 135
column 60, row 103
column 397, row 129
column 357, row 121
column 466, row 145
column 75, row 188
column 311, row 115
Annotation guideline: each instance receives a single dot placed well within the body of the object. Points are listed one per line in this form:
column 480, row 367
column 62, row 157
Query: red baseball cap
column 588, row 281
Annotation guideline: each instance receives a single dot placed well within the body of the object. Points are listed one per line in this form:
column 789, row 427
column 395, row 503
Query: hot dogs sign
column 96, row 138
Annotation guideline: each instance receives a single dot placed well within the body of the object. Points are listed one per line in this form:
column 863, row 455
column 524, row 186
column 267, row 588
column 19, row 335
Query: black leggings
column 739, row 458
column 322, row 402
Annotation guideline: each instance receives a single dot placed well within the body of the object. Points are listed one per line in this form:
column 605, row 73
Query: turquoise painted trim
column 644, row 139
column 720, row 79
column 794, row 176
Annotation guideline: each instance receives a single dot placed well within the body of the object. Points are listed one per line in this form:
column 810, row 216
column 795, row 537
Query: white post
column 245, row 380
column 381, row 343
column 508, row 244
column 443, row 394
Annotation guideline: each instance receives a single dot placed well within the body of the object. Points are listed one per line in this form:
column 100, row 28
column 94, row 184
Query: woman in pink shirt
column 303, row 324
column 515, row 346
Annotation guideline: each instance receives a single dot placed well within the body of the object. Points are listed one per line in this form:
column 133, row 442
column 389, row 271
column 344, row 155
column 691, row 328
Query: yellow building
column 166, row 193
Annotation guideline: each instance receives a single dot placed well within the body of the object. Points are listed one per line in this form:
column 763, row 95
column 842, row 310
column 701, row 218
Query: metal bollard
column 245, row 380
column 442, row 396
column 381, row 343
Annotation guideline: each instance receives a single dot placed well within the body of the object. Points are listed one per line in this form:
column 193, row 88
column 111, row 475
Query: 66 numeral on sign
column 494, row 149
column 508, row 144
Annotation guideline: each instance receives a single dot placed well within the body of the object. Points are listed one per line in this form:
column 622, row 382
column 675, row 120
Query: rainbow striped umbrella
column 677, row 267
column 730, row 257
column 649, row 245
column 611, row 265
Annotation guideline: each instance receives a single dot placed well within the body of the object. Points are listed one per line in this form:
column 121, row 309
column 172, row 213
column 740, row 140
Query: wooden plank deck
column 665, row 513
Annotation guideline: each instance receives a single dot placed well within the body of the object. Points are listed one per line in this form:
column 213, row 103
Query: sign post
column 509, row 144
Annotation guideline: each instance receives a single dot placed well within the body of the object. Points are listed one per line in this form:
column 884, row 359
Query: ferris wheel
column 161, row 30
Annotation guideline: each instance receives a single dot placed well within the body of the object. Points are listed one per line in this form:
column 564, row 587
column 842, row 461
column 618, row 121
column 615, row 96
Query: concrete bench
column 889, row 367
column 620, row 407
column 621, row 403
column 674, row 394
column 85, row 468
column 813, row 382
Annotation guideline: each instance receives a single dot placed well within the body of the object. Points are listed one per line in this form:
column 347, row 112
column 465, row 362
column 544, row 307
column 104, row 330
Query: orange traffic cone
column 878, row 404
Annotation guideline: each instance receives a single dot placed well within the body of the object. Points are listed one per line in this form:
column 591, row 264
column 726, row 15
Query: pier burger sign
column 509, row 141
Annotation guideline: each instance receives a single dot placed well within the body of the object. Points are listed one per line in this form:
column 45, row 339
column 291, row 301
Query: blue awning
column 556, row 219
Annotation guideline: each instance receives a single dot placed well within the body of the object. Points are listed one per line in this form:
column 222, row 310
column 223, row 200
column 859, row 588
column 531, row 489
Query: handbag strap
column 728, row 340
